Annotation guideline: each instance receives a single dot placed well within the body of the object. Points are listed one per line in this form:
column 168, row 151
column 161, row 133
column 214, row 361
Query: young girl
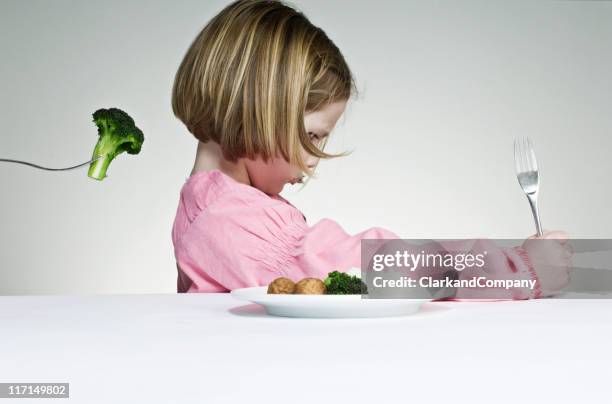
column 261, row 88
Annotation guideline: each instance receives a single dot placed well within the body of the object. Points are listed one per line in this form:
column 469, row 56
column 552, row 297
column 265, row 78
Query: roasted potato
column 310, row 286
column 281, row 286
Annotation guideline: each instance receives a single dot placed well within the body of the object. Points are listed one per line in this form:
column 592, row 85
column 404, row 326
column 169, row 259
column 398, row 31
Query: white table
column 211, row 348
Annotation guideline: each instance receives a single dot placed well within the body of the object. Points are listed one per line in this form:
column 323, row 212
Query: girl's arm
column 327, row 246
column 243, row 241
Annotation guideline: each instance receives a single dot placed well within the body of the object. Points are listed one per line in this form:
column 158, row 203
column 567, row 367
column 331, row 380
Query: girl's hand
column 551, row 259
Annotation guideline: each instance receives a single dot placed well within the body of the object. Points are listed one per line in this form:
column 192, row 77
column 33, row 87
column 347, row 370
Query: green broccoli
column 340, row 283
column 118, row 133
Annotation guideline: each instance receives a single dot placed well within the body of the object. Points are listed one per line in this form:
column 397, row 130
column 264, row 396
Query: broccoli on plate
column 341, row 283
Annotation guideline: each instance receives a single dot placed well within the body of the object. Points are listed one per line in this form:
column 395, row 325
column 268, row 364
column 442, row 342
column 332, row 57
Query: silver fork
column 47, row 168
column 526, row 168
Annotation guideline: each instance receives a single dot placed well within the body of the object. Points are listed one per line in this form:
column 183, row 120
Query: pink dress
column 228, row 235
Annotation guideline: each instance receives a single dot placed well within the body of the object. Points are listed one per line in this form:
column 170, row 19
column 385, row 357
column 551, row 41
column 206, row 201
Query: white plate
column 327, row 306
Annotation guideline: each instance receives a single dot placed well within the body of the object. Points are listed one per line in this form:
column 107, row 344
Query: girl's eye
column 313, row 136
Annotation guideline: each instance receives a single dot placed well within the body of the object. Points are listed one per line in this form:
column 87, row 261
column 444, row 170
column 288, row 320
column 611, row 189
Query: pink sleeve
column 503, row 263
column 325, row 247
column 247, row 240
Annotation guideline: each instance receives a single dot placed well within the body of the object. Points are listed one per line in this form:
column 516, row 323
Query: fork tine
column 517, row 156
column 528, row 166
column 523, row 159
column 532, row 157
column 519, row 147
column 522, row 155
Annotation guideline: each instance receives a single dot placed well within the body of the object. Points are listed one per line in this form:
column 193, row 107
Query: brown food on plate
column 310, row 286
column 281, row 286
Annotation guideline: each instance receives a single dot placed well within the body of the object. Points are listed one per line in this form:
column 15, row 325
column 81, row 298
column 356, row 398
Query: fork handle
column 47, row 168
column 533, row 202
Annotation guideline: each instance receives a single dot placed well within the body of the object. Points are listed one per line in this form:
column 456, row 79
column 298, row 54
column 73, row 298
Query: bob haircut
column 251, row 75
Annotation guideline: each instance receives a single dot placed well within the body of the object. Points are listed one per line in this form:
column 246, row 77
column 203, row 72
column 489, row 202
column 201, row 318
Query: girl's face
column 272, row 176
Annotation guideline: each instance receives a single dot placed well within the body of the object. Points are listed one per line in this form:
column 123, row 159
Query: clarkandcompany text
column 428, row 282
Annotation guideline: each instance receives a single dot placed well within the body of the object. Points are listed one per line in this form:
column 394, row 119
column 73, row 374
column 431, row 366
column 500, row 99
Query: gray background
column 446, row 86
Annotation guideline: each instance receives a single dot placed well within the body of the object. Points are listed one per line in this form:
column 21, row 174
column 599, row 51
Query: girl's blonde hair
column 250, row 76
